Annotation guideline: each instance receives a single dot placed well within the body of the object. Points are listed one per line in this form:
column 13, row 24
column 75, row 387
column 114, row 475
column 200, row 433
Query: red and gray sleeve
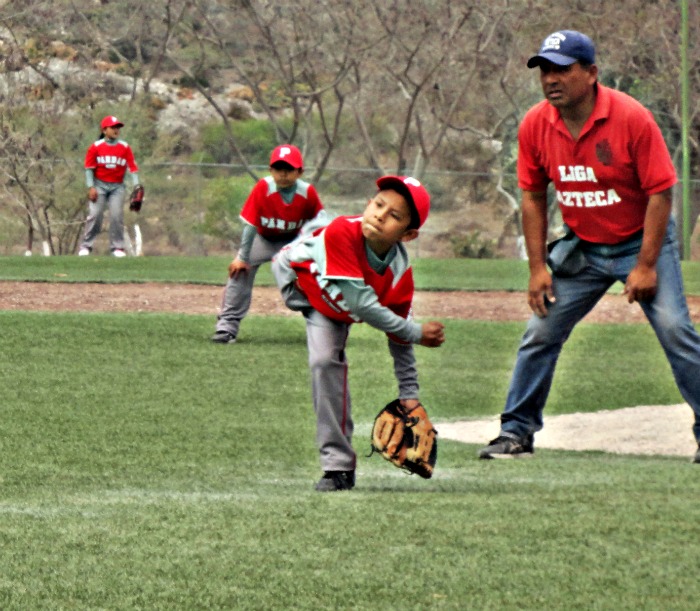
column 362, row 301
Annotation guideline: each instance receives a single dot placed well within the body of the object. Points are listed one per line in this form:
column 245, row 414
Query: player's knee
column 540, row 332
column 325, row 359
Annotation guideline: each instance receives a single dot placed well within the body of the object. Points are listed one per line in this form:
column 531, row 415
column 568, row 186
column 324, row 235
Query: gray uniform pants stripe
column 326, row 341
column 238, row 292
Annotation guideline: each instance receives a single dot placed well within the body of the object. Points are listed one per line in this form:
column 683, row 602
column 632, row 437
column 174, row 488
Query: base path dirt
column 634, row 430
column 206, row 299
column 645, row 429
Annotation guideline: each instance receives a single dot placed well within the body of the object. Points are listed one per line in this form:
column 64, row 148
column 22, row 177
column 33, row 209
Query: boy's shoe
column 223, row 337
column 696, row 460
column 508, row 446
column 83, row 252
column 118, row 252
column 336, row 480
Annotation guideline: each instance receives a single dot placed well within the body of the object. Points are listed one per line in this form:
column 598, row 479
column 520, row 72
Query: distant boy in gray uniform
column 274, row 213
column 356, row 269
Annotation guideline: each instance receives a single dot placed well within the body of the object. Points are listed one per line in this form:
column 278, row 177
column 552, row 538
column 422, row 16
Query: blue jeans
column 575, row 297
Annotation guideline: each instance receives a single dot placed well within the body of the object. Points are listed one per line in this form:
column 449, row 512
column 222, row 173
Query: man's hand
column 641, row 284
column 236, row 267
column 539, row 291
column 92, row 194
column 433, row 334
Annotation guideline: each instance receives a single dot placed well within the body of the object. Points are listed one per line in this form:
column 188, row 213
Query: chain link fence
column 191, row 209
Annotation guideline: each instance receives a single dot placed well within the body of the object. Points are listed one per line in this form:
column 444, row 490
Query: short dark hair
column 403, row 191
column 283, row 165
column 415, row 219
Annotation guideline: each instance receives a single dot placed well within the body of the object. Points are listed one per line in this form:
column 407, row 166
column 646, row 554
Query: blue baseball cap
column 564, row 48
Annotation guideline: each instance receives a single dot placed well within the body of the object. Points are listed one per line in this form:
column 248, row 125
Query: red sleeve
column 344, row 249
column 250, row 212
column 130, row 161
column 91, row 157
column 653, row 161
column 314, row 201
column 531, row 173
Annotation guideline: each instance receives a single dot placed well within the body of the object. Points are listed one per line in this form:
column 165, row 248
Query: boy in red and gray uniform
column 274, row 213
column 356, row 269
column 106, row 162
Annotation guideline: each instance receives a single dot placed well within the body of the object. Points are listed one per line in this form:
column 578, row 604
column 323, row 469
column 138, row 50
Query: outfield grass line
column 375, row 479
column 71, row 505
column 41, row 512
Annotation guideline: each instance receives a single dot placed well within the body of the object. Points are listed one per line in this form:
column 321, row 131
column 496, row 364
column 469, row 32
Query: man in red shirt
column 612, row 176
column 356, row 269
column 106, row 162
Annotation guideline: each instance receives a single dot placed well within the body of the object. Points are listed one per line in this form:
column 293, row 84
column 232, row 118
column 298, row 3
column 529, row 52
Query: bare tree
column 301, row 56
column 402, row 86
column 38, row 185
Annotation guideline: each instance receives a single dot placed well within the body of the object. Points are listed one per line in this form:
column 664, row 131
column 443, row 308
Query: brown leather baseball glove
column 406, row 438
column 136, row 199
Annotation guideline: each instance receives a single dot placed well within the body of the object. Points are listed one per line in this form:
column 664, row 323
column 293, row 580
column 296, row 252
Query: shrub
column 225, row 198
column 472, row 246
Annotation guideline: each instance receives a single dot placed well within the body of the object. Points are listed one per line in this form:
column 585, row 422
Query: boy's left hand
column 433, row 334
column 236, row 267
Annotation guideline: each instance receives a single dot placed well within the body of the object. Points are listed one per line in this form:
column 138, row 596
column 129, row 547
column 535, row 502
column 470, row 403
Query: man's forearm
column 534, row 218
column 655, row 224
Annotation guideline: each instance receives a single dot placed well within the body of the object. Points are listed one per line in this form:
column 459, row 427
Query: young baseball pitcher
column 274, row 213
column 351, row 270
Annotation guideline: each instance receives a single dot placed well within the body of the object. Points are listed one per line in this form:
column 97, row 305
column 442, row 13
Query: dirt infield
column 634, row 430
column 204, row 299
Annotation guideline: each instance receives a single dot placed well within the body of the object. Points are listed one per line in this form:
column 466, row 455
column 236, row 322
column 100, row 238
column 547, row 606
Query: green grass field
column 144, row 467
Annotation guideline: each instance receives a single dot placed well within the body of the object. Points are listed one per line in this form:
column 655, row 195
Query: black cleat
column 508, row 446
column 223, row 337
column 336, row 480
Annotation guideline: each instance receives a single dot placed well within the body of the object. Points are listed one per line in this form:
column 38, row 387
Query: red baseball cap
column 414, row 192
column 111, row 122
column 289, row 154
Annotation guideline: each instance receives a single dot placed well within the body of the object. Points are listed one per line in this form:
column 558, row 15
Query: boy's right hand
column 433, row 334
column 236, row 267
column 92, row 194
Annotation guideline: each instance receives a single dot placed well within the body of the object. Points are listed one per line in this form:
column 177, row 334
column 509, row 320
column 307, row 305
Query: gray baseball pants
column 239, row 291
column 109, row 196
column 326, row 340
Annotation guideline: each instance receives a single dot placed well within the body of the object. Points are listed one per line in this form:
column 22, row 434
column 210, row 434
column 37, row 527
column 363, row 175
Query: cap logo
column 411, row 181
column 553, row 42
column 284, row 151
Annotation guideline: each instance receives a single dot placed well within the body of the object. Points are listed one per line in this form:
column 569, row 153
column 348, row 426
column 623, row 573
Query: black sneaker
column 507, row 446
column 336, row 480
column 223, row 337
column 696, row 460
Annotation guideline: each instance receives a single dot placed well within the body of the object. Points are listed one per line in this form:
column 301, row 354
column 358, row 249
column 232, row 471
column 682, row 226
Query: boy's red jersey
column 276, row 219
column 110, row 161
column 342, row 256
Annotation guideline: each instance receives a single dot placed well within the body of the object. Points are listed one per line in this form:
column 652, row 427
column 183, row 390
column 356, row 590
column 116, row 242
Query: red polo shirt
column 604, row 179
